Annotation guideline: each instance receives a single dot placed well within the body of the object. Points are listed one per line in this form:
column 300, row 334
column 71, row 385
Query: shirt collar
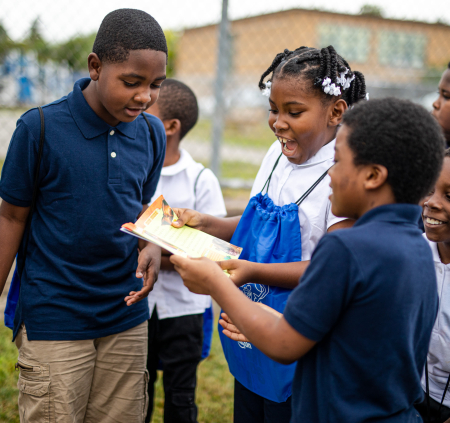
column 395, row 213
column 91, row 125
column 183, row 162
column 434, row 250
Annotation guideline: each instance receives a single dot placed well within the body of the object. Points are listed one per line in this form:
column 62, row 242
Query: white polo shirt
column 171, row 297
column 439, row 351
column 290, row 181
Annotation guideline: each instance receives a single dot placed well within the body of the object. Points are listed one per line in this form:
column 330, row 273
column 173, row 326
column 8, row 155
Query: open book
column 155, row 225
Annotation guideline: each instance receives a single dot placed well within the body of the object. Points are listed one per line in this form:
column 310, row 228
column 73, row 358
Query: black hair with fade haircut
column 177, row 101
column 123, row 30
column 316, row 65
column 401, row 136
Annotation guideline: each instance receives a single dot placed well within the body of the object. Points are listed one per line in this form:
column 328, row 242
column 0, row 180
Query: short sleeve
column 16, row 183
column 324, row 291
column 209, row 195
column 159, row 145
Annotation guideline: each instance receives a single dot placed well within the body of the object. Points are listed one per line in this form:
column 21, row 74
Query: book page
column 155, row 225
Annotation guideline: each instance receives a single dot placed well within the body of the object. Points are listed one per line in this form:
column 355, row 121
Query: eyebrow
column 142, row 78
column 298, row 103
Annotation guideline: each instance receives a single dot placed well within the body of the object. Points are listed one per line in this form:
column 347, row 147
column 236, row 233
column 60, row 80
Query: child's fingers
column 178, row 261
column 229, row 326
column 227, row 264
column 225, row 317
column 234, row 336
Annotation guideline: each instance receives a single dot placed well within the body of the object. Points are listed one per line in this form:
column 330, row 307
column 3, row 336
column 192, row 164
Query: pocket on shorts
column 34, row 392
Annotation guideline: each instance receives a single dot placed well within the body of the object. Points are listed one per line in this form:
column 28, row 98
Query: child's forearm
column 265, row 330
column 12, row 225
column 220, row 227
column 283, row 275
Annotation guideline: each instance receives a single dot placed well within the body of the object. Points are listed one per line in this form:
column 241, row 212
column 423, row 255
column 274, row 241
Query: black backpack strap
column 35, row 189
column 267, row 184
column 195, row 187
column 312, row 188
column 152, row 133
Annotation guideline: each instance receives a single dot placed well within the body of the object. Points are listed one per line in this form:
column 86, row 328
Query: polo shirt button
column 112, row 133
column 113, row 154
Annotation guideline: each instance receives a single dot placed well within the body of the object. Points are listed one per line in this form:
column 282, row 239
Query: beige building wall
column 256, row 41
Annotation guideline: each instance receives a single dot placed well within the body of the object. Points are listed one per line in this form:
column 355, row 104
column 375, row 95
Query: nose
column 143, row 96
column 279, row 124
column 436, row 104
column 433, row 202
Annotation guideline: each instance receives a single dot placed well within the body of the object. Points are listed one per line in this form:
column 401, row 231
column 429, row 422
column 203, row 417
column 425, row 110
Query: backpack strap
column 195, row 187
column 152, row 133
column 35, row 189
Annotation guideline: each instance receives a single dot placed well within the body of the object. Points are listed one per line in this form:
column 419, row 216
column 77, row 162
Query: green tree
column 36, row 42
column 172, row 38
column 372, row 10
column 75, row 51
column 6, row 44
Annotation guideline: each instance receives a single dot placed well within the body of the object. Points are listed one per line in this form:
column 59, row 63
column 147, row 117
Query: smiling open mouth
column 434, row 222
column 288, row 145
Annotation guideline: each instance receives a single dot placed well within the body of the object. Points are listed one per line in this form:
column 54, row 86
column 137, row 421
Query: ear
column 94, row 66
column 172, row 126
column 375, row 176
column 338, row 109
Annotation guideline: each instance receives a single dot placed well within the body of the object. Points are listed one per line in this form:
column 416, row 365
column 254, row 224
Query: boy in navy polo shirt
column 82, row 349
column 360, row 320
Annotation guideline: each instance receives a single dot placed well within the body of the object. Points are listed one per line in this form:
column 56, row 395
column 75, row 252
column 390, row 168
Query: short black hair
column 316, row 65
column 403, row 137
column 177, row 101
column 123, row 30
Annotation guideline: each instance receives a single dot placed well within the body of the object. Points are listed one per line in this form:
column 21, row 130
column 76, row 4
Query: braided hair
column 317, row 65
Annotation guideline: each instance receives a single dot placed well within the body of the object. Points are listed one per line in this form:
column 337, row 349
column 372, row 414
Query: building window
column 350, row 42
column 402, row 49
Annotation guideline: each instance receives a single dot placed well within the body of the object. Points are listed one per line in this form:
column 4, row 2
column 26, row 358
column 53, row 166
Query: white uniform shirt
column 176, row 183
column 439, row 351
column 290, row 181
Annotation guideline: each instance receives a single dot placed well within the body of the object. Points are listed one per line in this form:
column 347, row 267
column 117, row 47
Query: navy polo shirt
column 93, row 178
column 369, row 300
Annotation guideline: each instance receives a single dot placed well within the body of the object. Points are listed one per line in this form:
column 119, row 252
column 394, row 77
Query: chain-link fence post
column 219, row 109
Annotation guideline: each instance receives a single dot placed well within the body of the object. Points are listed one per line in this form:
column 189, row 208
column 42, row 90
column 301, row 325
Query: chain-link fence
column 43, row 50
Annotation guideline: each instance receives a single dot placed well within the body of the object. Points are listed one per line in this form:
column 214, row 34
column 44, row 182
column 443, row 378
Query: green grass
column 214, row 388
column 8, row 377
column 235, row 133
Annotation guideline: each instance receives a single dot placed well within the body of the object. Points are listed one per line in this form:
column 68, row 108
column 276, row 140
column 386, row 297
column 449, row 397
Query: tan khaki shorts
column 90, row 381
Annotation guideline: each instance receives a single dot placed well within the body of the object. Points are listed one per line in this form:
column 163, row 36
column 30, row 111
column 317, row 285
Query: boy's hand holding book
column 200, row 275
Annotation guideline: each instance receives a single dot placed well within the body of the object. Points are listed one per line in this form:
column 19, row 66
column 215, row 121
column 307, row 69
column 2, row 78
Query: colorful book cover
column 155, row 225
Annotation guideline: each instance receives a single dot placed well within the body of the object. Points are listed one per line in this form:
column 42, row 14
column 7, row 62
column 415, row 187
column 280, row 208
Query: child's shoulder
column 31, row 118
column 154, row 122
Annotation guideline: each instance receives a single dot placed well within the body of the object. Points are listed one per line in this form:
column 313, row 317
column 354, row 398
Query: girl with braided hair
column 309, row 90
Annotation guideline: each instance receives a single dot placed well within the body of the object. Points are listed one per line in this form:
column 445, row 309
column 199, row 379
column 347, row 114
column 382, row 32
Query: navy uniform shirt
column 93, row 178
column 369, row 299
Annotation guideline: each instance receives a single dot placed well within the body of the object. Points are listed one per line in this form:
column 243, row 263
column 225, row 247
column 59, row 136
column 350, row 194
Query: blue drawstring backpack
column 14, row 289
column 268, row 234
